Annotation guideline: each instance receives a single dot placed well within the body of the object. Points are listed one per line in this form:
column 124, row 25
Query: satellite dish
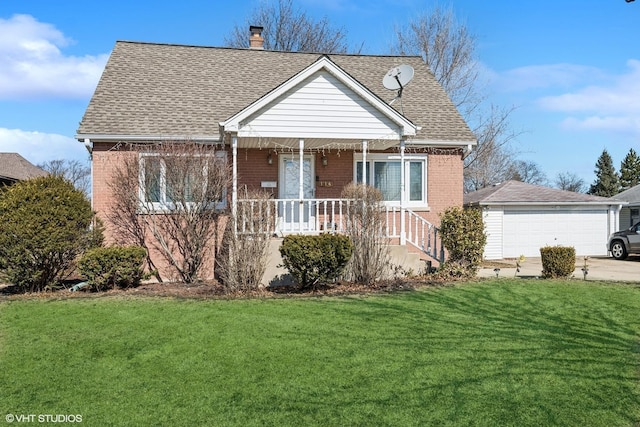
column 398, row 77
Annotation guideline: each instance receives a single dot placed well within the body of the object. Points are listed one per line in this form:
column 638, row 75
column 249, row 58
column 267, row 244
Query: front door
column 294, row 214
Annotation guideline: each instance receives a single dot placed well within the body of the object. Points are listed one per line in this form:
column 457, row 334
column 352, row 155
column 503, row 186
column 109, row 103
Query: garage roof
column 522, row 193
column 631, row 195
column 14, row 167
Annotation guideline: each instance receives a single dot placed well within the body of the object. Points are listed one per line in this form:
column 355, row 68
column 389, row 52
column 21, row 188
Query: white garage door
column 526, row 231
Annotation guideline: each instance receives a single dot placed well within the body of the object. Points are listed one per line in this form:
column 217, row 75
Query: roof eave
column 516, row 203
column 442, row 143
column 139, row 138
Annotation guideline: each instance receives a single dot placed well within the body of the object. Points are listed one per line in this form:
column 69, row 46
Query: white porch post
column 234, row 173
column 364, row 162
column 403, row 180
column 301, row 185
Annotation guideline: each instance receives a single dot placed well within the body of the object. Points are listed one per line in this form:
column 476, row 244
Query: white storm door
column 291, row 217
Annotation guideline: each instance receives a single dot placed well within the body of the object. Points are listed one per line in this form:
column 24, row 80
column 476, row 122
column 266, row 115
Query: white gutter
column 568, row 204
column 441, row 143
column 107, row 137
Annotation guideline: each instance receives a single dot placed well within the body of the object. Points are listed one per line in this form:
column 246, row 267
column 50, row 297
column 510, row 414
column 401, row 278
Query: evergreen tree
column 607, row 183
column 630, row 170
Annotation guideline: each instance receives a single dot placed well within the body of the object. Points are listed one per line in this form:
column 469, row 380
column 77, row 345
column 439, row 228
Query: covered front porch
column 310, row 137
column 306, row 183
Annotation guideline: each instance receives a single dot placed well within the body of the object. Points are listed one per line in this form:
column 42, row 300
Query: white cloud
column 39, row 147
column 33, row 66
column 612, row 108
column 621, row 97
column 545, row 76
column 620, row 124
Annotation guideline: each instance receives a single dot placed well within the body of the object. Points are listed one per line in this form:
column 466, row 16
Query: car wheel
column 618, row 250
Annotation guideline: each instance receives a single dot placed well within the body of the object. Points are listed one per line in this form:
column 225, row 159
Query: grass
column 504, row 352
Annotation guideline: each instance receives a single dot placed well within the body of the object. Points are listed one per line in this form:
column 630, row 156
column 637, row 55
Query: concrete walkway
column 599, row 268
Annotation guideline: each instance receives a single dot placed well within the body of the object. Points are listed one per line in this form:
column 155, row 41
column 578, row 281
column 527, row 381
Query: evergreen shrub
column 558, row 261
column 110, row 267
column 314, row 260
column 463, row 235
column 45, row 224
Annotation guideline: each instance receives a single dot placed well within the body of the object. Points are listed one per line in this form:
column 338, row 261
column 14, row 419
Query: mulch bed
column 213, row 290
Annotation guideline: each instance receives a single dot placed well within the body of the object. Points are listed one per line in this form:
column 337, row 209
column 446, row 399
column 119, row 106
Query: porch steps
column 400, row 256
column 409, row 261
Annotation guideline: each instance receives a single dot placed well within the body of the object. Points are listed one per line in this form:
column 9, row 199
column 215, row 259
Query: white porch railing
column 423, row 235
column 309, row 216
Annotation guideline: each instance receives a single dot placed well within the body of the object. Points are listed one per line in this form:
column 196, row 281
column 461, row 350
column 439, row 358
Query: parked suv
column 625, row 242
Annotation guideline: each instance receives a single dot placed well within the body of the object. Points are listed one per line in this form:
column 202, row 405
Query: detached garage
column 521, row 218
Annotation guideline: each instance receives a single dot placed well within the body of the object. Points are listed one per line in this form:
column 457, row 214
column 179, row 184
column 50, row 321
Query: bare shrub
column 171, row 196
column 242, row 260
column 365, row 226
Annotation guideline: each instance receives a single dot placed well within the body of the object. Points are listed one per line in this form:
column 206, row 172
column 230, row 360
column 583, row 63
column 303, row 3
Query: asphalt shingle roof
column 176, row 90
column 516, row 192
column 16, row 168
column 632, row 195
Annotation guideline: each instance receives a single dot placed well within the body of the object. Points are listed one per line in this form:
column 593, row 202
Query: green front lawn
column 501, row 353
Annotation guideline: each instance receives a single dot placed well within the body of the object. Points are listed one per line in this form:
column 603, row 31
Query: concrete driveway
column 600, row 268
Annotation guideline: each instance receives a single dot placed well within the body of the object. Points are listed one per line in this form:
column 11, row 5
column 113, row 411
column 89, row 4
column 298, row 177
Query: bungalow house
column 629, row 214
column 298, row 125
column 520, row 218
column 14, row 168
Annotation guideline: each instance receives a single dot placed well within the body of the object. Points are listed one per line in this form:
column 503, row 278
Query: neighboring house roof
column 14, row 167
column 164, row 90
column 632, row 195
column 522, row 193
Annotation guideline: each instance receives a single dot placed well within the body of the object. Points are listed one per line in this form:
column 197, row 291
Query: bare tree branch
column 74, row 171
column 289, row 29
column 569, row 181
column 448, row 48
column 170, row 196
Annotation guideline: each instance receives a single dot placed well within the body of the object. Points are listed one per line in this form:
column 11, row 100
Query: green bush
column 462, row 233
column 558, row 261
column 313, row 260
column 45, row 226
column 113, row 266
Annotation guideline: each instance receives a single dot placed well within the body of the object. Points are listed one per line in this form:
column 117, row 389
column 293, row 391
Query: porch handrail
column 424, row 235
column 328, row 215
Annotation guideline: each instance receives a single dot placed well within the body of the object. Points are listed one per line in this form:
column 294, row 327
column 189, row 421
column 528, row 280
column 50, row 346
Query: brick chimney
column 255, row 40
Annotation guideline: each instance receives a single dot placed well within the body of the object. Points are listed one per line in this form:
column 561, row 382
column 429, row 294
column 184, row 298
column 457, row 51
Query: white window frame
column 163, row 205
column 395, row 157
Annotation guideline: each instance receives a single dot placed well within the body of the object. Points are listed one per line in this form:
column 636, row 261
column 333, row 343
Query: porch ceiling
column 314, row 143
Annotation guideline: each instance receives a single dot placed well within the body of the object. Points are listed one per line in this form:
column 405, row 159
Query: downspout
column 616, row 218
column 89, row 146
column 466, row 151
column 403, row 236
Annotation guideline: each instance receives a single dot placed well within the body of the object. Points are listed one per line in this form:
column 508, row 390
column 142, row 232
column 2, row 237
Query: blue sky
column 570, row 68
